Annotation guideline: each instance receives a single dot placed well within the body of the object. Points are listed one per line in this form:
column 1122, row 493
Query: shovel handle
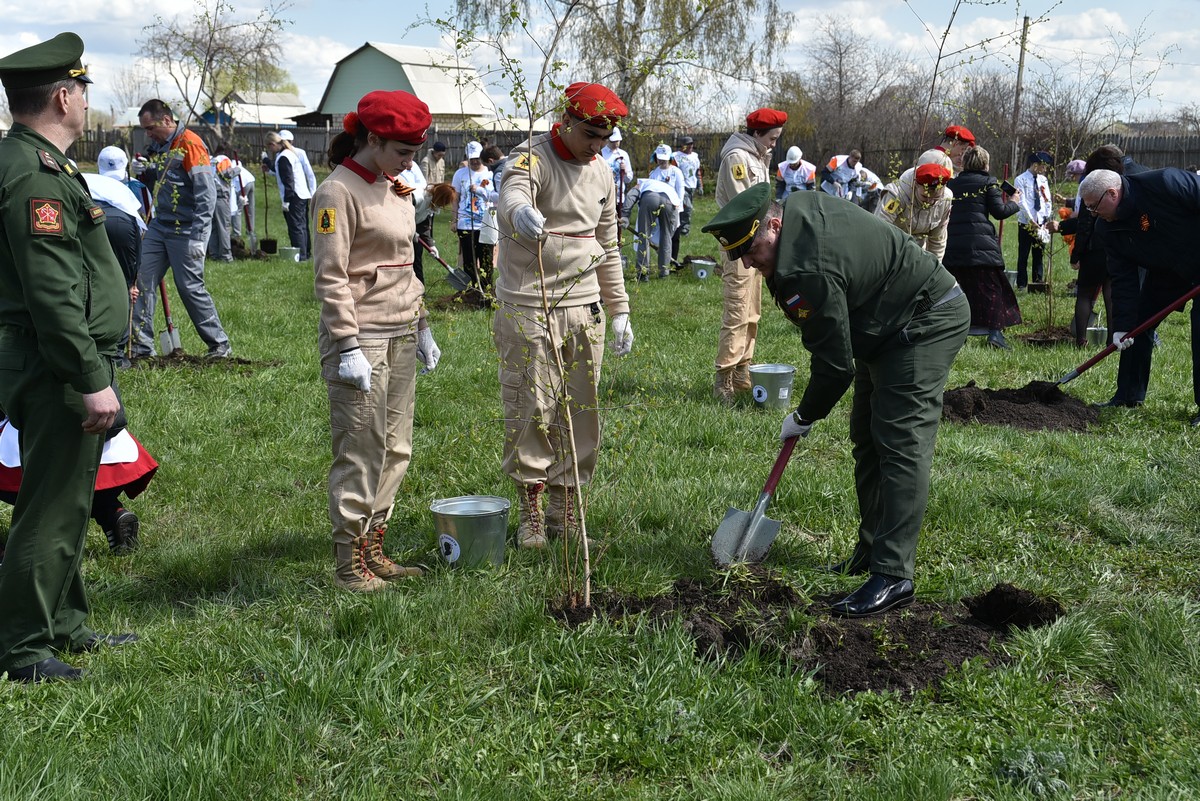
column 785, row 454
column 1150, row 323
column 437, row 258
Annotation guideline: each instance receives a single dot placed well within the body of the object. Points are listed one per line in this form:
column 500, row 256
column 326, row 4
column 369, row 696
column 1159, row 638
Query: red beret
column 932, row 174
column 397, row 116
column 960, row 133
column 594, row 103
column 765, row 119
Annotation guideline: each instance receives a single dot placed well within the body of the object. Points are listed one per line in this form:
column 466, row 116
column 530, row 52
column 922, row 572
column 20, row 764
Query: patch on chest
column 326, row 221
column 45, row 217
column 738, row 171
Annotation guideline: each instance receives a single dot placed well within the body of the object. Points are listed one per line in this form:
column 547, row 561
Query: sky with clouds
column 315, row 40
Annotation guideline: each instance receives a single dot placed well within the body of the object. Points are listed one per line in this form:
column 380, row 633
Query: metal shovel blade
column 744, row 536
column 457, row 277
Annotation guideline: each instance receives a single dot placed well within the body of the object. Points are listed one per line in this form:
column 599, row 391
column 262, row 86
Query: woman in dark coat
column 973, row 253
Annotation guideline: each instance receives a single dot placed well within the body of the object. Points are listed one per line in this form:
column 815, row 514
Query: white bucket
column 471, row 529
column 771, row 385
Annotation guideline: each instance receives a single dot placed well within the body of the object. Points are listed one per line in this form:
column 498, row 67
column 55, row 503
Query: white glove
column 793, row 427
column 1122, row 339
column 196, row 250
column 433, row 251
column 622, row 341
column 355, row 369
column 427, row 350
column 528, row 222
column 285, row 207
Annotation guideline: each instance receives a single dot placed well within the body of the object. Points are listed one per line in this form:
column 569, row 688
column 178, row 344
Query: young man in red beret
column 955, row 141
column 745, row 161
column 918, row 203
column 559, row 259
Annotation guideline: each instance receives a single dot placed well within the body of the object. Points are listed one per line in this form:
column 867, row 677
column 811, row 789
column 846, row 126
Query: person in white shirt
column 838, row 174
column 794, row 175
column 659, row 204
column 309, row 176
column 294, row 193
column 423, row 210
column 473, row 183
column 243, row 193
column 689, row 163
column 619, row 162
column 1034, row 220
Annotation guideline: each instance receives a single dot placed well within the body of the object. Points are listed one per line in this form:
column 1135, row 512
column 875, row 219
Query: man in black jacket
column 1146, row 220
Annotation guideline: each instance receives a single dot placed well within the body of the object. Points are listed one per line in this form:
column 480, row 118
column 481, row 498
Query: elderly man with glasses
column 1146, row 220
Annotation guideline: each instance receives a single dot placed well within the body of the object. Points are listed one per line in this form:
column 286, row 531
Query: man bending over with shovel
column 875, row 310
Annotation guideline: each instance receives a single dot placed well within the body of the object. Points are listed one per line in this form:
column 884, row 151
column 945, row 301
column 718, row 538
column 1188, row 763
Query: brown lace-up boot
column 350, row 570
column 741, row 378
column 379, row 564
column 560, row 511
column 723, row 387
column 531, row 531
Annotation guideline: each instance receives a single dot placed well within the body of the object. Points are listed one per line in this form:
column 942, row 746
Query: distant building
column 450, row 85
column 250, row 109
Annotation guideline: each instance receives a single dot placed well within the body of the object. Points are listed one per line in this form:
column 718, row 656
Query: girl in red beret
column 918, row 203
column 373, row 327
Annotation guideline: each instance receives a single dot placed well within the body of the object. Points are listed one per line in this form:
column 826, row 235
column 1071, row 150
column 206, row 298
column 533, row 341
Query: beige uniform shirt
column 903, row 206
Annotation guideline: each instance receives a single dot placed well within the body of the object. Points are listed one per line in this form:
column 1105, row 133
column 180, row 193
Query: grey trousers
column 246, row 210
column 160, row 250
column 654, row 208
column 218, row 239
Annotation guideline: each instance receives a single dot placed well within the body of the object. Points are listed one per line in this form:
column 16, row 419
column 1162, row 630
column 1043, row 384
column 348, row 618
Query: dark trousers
column 476, row 259
column 424, row 234
column 297, row 224
column 685, row 224
column 1133, row 370
column 893, row 425
column 43, row 606
column 1028, row 242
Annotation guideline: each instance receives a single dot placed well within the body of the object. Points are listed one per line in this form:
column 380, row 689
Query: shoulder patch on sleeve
column 526, row 161
column 45, row 217
column 738, row 171
column 326, row 221
column 892, row 206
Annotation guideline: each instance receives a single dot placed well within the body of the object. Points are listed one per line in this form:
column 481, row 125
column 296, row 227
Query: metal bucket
column 772, row 385
column 1011, row 275
column 471, row 529
column 1097, row 336
column 290, row 254
column 703, row 268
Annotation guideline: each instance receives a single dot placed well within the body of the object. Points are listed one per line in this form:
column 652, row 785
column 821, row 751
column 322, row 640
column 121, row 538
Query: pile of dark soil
column 1037, row 406
column 467, row 300
column 903, row 651
column 1049, row 337
column 178, row 359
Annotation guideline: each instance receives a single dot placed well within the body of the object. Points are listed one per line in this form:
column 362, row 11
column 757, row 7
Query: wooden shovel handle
column 785, row 454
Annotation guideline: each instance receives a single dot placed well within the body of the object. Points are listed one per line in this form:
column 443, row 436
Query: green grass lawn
column 257, row 679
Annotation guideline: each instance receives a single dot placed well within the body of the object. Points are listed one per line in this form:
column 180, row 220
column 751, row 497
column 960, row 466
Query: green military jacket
column 851, row 282
column 61, row 288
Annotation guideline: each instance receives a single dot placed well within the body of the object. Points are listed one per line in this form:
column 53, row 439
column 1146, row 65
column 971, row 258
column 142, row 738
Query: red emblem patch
column 45, row 216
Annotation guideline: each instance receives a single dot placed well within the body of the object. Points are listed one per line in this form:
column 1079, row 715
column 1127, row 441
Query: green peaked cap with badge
column 738, row 220
column 41, row 64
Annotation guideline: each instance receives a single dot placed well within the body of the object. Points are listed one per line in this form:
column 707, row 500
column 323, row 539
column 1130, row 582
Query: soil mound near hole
column 903, row 651
column 179, row 359
column 1037, row 406
column 467, row 300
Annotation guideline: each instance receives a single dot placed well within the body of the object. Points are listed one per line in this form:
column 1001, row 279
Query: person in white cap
column 294, row 194
column 666, row 171
column 309, row 176
column 658, row 205
column 619, row 162
column 794, row 175
column 112, row 162
column 473, row 182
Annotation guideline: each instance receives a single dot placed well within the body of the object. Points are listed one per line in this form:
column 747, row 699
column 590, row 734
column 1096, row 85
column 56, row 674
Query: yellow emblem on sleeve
column 526, row 161
column 326, row 221
column 739, row 172
column 892, row 206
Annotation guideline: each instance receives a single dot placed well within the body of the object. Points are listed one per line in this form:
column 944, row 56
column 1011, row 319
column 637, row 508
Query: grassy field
column 256, row 679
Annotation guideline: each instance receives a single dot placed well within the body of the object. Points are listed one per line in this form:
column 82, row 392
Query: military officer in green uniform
column 874, row 309
column 63, row 306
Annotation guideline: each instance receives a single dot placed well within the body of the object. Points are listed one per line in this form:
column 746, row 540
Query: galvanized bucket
column 290, row 254
column 1011, row 275
column 471, row 529
column 1097, row 336
column 703, row 268
column 772, row 385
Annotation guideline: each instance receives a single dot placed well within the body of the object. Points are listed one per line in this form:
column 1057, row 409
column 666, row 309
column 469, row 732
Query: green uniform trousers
column 42, row 602
column 893, row 425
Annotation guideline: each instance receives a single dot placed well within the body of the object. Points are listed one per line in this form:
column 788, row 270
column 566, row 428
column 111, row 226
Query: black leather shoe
column 877, row 596
column 98, row 641
column 846, row 567
column 123, row 537
column 49, row 669
column 1113, row 403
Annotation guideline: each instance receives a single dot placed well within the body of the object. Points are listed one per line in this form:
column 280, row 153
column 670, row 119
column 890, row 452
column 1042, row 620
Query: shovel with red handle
column 746, row 536
column 1153, row 321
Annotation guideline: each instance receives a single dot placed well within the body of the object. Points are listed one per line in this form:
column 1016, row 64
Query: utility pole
column 1017, row 100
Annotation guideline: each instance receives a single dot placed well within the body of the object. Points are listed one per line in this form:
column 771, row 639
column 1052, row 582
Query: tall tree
column 629, row 43
column 214, row 52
